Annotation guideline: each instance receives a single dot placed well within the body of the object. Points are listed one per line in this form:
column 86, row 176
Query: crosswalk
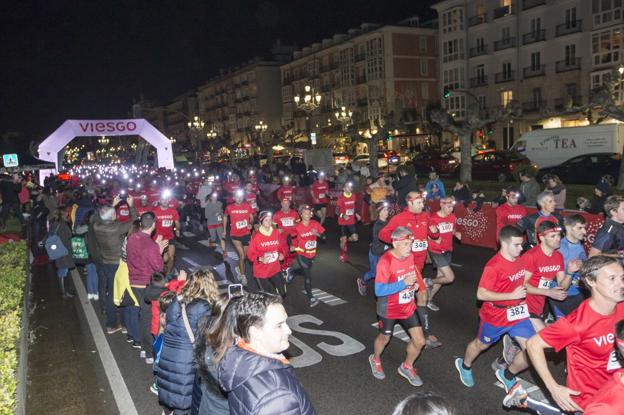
column 327, row 298
column 398, row 332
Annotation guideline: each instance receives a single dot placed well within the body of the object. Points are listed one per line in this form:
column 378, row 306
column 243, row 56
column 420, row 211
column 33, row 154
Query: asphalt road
column 331, row 342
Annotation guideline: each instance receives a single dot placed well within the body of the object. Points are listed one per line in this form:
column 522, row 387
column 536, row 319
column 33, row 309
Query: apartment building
column 536, row 53
column 371, row 71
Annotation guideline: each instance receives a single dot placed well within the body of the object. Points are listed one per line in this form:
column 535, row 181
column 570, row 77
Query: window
column 453, row 50
column 453, row 20
column 482, row 102
column 606, row 46
column 536, row 26
column 506, row 97
column 535, row 61
column 480, row 44
column 505, row 33
column 601, row 77
column 605, row 11
column 570, row 90
column 422, row 43
column 570, row 54
column 536, row 95
column 424, row 67
column 453, row 78
column 424, row 90
column 506, row 70
column 570, row 18
column 479, row 72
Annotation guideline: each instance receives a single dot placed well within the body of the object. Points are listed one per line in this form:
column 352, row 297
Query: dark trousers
column 7, row 207
column 271, row 285
column 141, row 322
column 106, row 283
column 305, row 264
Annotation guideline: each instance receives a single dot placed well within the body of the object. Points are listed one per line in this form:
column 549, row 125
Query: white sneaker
column 89, row 296
column 96, row 297
column 142, row 354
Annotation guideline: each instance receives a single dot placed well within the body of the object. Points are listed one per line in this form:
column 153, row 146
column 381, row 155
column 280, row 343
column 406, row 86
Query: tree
column 474, row 121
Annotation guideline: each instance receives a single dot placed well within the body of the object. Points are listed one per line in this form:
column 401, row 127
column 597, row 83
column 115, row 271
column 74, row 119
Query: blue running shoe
column 507, row 383
column 464, row 375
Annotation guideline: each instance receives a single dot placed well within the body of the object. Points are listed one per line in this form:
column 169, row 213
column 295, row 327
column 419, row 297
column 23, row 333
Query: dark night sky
column 88, row 59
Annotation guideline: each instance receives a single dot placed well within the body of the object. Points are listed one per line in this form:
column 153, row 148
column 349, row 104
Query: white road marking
column 327, row 298
column 124, row 401
column 398, row 332
column 456, row 265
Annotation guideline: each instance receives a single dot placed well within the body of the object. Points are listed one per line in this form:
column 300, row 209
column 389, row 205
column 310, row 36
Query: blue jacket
column 176, row 373
column 261, row 385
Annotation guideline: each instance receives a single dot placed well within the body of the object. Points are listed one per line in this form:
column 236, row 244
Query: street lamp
column 103, row 140
column 211, row 134
column 196, row 124
column 261, row 127
column 311, row 100
column 172, row 140
column 344, row 116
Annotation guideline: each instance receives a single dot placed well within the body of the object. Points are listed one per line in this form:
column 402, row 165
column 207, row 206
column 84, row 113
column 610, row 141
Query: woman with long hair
column 176, row 373
column 248, row 340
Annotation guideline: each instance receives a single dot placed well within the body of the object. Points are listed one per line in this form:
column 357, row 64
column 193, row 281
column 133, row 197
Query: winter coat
column 176, row 373
column 261, row 385
column 403, row 186
column 65, row 233
column 109, row 235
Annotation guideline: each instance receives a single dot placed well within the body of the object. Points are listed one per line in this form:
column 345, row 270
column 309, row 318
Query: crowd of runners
column 540, row 290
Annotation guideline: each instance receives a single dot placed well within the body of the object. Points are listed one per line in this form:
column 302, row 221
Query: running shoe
column 149, row 360
column 290, row 275
column 142, row 354
column 432, row 306
column 516, row 397
column 498, row 364
column 510, row 349
column 154, row 388
column 113, row 330
column 89, row 296
column 129, row 339
column 432, row 343
column 410, row 374
column 314, row 302
column 96, row 297
column 124, row 330
column 464, row 375
column 136, row 345
column 507, row 383
column 343, row 257
column 376, row 368
column 361, row 286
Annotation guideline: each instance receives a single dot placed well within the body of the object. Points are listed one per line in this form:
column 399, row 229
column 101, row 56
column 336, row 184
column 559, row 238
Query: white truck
column 552, row 146
column 321, row 158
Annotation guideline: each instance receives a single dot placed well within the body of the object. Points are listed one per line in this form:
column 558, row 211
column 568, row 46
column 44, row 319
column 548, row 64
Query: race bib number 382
column 519, row 312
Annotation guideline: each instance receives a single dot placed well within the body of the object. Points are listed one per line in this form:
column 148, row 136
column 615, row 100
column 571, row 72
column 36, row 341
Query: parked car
column 497, row 165
column 443, row 163
column 392, row 157
column 474, row 150
column 364, row 159
column 586, row 169
column 341, row 158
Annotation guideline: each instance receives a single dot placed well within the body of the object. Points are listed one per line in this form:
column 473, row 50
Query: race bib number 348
column 418, row 246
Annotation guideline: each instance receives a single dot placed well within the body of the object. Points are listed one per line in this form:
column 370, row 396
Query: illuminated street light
column 311, row 100
column 103, row 140
column 261, row 127
column 344, row 116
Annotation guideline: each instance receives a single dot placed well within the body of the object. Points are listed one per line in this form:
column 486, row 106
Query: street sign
column 313, row 138
column 10, row 160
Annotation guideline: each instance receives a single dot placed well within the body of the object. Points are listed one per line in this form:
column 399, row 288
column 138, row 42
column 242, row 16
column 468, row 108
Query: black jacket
column 261, row 385
column 403, row 186
column 377, row 247
column 61, row 228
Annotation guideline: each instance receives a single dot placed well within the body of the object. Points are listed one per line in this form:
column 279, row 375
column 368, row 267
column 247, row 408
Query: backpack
column 54, row 245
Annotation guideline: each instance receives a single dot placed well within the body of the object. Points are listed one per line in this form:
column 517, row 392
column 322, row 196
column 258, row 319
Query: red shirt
column 286, row 221
column 123, row 212
column 508, row 215
column 391, row 269
column 609, row 399
column 305, row 238
column 230, row 188
column 588, row 339
column 320, row 191
column 239, row 218
column 164, row 221
column 503, row 276
column 446, row 226
column 544, row 269
column 418, row 224
column 345, row 208
column 285, row 191
column 251, row 199
column 142, row 209
column 268, row 248
column 144, row 258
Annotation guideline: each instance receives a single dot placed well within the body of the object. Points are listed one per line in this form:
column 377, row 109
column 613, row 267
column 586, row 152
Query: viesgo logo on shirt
column 549, row 268
column 269, row 243
column 604, row 340
column 240, row 212
column 517, row 275
column 515, row 217
column 307, row 234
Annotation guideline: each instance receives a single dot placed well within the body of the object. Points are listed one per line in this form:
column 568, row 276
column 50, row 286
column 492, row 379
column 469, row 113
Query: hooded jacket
column 109, row 235
column 261, row 385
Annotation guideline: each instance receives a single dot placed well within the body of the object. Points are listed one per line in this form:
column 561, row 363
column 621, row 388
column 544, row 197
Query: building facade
column 371, row 71
column 541, row 55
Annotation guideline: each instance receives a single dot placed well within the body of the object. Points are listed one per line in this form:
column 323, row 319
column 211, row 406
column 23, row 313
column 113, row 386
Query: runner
column 286, row 189
column 265, row 253
column 504, row 309
column 510, row 212
column 230, row 187
column 546, row 212
column 286, row 219
column 304, row 242
column 441, row 249
column 377, row 247
column 240, row 215
column 345, row 209
column 417, row 221
column 320, row 197
column 609, row 239
column 250, row 196
column 167, row 218
column 397, row 281
column 587, row 336
column 213, row 211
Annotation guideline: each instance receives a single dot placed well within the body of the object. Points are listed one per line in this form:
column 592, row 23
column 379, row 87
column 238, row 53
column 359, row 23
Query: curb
column 22, row 364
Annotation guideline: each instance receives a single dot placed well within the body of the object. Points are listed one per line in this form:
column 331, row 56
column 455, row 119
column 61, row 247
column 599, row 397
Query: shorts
column 245, row 239
column 489, row 334
column 386, row 326
column 347, row 230
column 441, row 260
column 216, row 234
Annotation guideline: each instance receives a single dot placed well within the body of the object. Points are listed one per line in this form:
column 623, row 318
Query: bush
column 12, row 278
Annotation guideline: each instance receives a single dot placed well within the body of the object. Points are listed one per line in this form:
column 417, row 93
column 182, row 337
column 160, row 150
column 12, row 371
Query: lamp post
column 343, row 116
column 196, row 128
column 103, row 140
column 310, row 101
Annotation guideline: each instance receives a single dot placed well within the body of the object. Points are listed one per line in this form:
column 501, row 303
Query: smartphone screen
column 235, row 290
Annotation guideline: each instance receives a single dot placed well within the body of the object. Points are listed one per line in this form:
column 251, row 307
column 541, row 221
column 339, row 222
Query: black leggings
column 306, row 267
column 271, row 285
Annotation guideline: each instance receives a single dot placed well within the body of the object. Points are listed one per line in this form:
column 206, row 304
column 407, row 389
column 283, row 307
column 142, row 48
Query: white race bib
column 544, row 283
column 406, row 296
column 124, row 212
column 310, row 245
column 349, row 212
column 219, row 218
column 166, row 223
column 287, row 222
column 445, row 227
column 241, row 224
column 270, row 257
column 418, row 246
column 519, row 312
column 253, row 204
column 321, row 196
column 614, row 362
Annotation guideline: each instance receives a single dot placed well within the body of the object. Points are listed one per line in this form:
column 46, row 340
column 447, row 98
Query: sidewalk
column 65, row 375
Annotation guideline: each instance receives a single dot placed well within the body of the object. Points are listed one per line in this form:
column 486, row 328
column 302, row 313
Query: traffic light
column 447, row 93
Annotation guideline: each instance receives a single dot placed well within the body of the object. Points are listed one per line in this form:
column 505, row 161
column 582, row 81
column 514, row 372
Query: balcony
column 569, row 27
column 478, row 81
column 477, row 20
column 363, row 102
column 507, row 43
column 568, row 102
column 360, row 57
column 502, row 11
column 505, row 76
column 531, row 71
column 570, row 64
column 533, row 106
column 478, row 51
column 532, row 37
column 529, row 4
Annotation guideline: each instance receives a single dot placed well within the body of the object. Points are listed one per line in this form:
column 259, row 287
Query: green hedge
column 12, row 278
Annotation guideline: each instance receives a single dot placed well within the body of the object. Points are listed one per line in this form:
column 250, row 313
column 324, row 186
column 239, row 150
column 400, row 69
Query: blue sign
column 10, row 160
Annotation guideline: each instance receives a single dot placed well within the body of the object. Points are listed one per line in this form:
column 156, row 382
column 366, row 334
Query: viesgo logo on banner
column 107, row 126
